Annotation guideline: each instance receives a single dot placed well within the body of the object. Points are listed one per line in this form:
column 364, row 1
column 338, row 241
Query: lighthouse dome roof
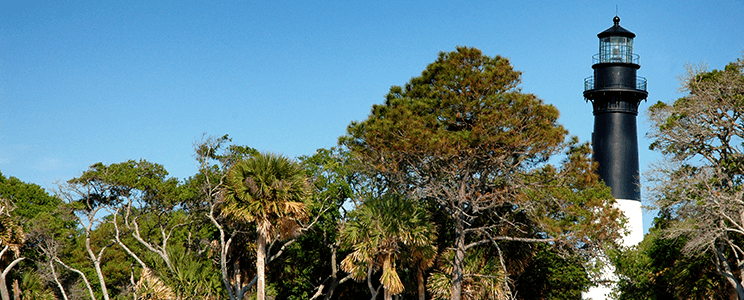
column 616, row 30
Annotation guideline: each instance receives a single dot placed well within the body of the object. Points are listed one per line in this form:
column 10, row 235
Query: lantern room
column 616, row 45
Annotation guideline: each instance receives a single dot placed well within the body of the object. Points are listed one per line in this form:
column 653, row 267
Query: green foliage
column 33, row 288
column 551, row 274
column 332, row 177
column 658, row 269
column 211, row 149
column 195, row 276
column 111, row 184
column 303, row 266
column 574, row 206
column 28, row 199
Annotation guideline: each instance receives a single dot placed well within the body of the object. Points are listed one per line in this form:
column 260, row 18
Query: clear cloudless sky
column 94, row 81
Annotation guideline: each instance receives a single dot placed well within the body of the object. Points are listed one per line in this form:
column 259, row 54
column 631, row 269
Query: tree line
column 459, row 186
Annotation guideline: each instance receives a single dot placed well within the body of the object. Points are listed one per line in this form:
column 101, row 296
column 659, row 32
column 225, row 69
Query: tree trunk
column 421, row 285
column 4, row 288
column 81, row 274
column 725, row 269
column 260, row 267
column 457, row 265
column 334, row 277
column 739, row 291
column 97, row 266
column 224, row 248
column 56, row 279
column 3, row 285
column 739, row 284
column 101, row 280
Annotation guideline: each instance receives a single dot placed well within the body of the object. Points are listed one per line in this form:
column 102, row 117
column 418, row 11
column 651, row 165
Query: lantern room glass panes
column 616, row 49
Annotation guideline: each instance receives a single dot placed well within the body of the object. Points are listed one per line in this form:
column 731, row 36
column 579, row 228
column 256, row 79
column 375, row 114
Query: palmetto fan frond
column 11, row 233
column 150, row 287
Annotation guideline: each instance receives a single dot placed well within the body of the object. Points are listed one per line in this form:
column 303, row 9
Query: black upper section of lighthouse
column 615, row 92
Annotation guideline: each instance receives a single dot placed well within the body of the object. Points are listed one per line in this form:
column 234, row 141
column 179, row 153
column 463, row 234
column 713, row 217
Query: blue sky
column 88, row 81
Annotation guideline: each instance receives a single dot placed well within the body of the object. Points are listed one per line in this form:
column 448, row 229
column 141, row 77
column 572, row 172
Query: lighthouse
column 615, row 92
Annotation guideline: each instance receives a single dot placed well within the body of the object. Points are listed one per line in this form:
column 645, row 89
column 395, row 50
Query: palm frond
column 390, row 279
column 150, row 287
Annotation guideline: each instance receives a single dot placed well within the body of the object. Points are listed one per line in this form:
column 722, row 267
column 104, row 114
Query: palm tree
column 267, row 189
column 379, row 231
column 12, row 238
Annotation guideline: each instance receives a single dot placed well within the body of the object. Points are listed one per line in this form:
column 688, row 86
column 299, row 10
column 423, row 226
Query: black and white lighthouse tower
column 615, row 92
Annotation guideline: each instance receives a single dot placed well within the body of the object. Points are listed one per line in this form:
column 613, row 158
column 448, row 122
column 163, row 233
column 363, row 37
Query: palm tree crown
column 268, row 189
column 382, row 229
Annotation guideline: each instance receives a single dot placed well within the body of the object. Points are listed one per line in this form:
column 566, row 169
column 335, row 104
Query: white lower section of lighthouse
column 632, row 211
column 634, row 215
